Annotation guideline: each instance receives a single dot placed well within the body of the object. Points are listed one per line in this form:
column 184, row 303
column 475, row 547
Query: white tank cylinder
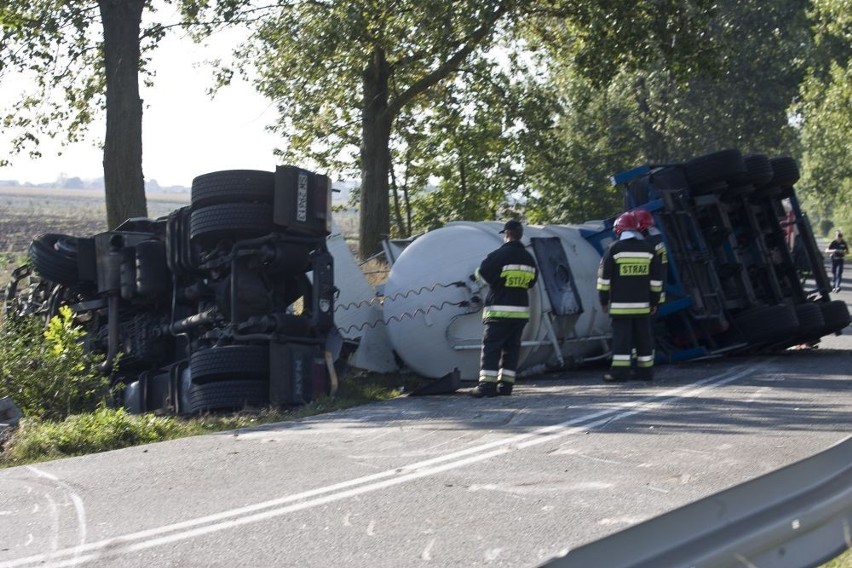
column 433, row 309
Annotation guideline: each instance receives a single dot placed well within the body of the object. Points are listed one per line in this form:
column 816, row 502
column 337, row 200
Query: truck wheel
column 718, row 166
column 767, row 324
column 230, row 221
column 836, row 316
column 785, row 171
column 811, row 322
column 228, row 395
column 55, row 258
column 759, row 170
column 230, row 186
column 233, row 363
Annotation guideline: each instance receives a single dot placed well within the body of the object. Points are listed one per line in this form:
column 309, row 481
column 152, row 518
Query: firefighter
column 629, row 285
column 649, row 230
column 510, row 271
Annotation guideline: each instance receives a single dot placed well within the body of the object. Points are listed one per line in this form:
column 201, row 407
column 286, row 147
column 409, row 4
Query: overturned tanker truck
column 249, row 297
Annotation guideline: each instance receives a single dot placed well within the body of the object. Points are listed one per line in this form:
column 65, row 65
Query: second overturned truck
column 745, row 274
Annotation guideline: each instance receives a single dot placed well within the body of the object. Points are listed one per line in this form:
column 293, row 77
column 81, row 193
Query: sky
column 185, row 133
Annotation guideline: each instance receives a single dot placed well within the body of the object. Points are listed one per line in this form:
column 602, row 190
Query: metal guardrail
column 795, row 517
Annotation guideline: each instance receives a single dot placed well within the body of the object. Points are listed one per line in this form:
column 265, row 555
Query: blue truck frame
column 745, row 273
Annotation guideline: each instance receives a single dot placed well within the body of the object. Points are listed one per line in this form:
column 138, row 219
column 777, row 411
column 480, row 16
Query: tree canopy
column 463, row 109
column 349, row 75
column 82, row 58
column 825, row 110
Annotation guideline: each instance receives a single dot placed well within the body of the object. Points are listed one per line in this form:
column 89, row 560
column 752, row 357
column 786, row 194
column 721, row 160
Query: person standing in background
column 509, row 272
column 837, row 250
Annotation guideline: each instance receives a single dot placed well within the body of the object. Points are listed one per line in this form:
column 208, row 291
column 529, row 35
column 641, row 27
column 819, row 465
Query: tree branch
column 467, row 47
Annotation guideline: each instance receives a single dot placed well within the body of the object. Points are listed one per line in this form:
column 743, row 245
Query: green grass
column 106, row 429
column 842, row 561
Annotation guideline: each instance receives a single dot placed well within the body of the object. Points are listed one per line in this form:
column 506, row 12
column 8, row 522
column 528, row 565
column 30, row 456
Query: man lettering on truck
column 630, row 282
column 509, row 272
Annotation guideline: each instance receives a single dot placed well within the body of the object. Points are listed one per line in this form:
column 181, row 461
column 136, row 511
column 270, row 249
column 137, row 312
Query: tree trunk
column 376, row 125
column 397, row 209
column 123, row 180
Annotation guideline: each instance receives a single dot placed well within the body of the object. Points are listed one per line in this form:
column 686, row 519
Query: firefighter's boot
column 484, row 389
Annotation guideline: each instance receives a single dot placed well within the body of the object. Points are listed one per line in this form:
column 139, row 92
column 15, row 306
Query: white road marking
column 79, row 509
column 224, row 520
column 54, row 522
column 427, row 552
column 757, row 394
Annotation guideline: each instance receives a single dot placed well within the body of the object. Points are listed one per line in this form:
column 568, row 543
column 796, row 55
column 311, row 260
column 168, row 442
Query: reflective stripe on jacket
column 630, row 278
column 509, row 271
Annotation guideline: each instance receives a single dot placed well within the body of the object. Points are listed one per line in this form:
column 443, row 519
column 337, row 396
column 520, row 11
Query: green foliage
column 344, row 73
column 745, row 104
column 734, row 91
column 56, row 48
column 595, row 136
column 103, row 429
column 47, row 372
column 50, row 43
column 825, row 109
column 842, row 561
column 109, row 429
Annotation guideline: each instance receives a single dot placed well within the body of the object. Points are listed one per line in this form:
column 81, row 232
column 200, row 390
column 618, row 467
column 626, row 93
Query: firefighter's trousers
column 629, row 333
column 501, row 349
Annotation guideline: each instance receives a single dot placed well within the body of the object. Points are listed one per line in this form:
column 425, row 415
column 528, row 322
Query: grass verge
column 842, row 561
column 38, row 440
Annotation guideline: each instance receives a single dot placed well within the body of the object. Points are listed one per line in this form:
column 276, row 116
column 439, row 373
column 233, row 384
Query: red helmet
column 644, row 219
column 625, row 222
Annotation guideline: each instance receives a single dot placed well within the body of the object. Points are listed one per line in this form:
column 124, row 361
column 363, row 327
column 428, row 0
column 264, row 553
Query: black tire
column 228, row 395
column 54, row 257
column 768, row 324
column 230, row 363
column 785, row 171
column 231, row 186
column 836, row 316
column 230, row 221
column 718, row 166
column 811, row 321
column 759, row 170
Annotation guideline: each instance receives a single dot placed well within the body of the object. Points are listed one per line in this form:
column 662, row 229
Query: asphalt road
column 435, row 481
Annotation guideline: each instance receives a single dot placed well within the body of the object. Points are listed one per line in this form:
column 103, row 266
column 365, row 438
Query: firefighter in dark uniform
column 649, row 230
column 630, row 281
column 509, row 272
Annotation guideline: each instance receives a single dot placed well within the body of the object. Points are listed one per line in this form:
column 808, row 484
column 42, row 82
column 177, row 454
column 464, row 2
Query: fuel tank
column 433, row 306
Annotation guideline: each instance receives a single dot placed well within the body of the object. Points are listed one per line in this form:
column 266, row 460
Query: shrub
column 98, row 431
column 47, row 372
